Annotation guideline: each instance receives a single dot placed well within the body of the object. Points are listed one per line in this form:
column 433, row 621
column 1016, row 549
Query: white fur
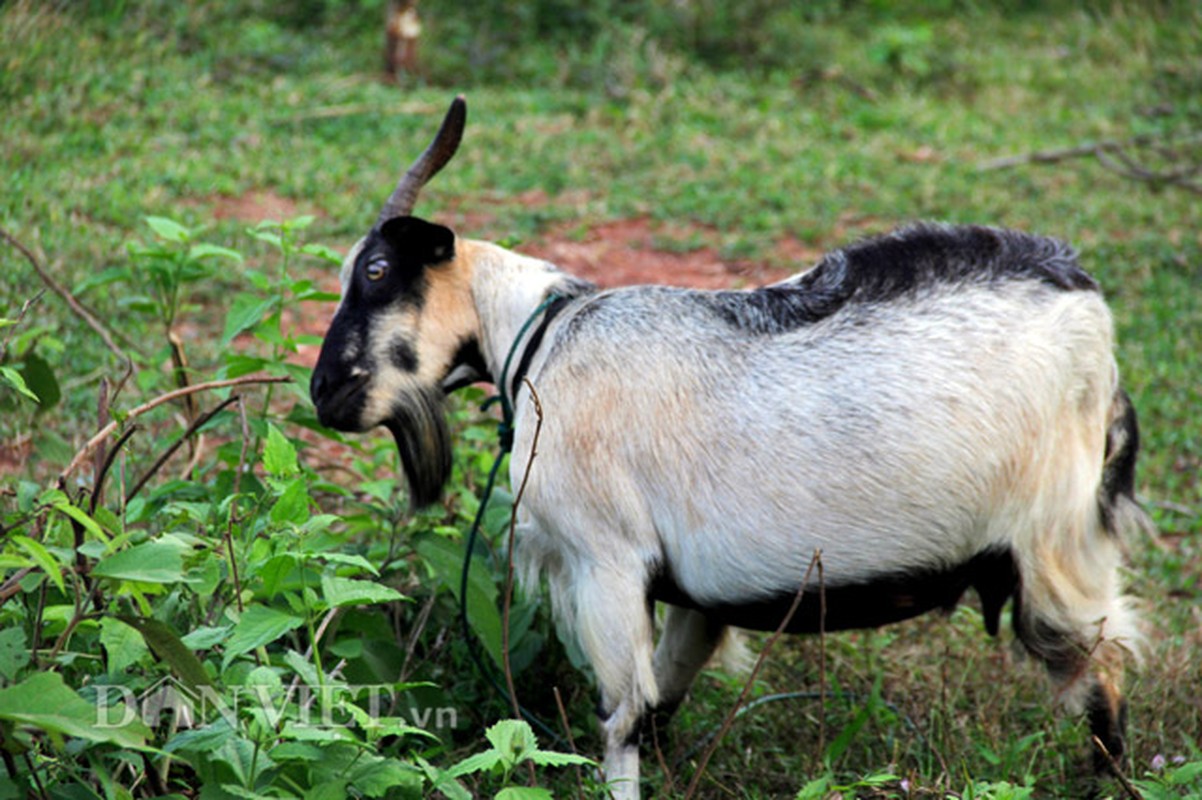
column 906, row 436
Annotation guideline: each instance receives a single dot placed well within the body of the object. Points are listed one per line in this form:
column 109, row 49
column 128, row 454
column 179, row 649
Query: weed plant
column 221, row 553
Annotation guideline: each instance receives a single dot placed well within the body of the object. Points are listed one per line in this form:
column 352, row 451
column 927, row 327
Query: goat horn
column 427, row 165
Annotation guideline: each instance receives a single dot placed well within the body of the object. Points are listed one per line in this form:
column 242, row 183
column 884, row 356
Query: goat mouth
column 341, row 409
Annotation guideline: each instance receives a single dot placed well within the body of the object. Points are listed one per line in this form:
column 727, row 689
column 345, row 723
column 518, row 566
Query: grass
column 820, row 128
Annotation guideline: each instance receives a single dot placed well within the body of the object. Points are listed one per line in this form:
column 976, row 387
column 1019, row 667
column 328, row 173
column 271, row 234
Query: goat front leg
column 613, row 619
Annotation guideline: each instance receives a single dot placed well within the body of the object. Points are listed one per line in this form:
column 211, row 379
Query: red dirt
column 624, row 252
column 255, row 207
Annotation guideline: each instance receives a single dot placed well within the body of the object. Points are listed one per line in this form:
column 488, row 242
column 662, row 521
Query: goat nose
column 317, row 386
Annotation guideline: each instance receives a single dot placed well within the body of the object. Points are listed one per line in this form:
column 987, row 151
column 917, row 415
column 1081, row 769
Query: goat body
column 932, row 411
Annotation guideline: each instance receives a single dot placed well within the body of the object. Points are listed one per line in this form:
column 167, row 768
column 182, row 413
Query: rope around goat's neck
column 505, row 436
column 506, row 398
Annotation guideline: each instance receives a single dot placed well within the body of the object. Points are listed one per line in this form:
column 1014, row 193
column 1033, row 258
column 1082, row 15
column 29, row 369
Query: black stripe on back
column 900, row 265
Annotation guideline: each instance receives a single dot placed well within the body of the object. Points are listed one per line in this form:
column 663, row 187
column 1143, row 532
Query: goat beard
column 423, row 440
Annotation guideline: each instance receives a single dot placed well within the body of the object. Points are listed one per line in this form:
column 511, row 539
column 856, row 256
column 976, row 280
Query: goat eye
column 376, row 269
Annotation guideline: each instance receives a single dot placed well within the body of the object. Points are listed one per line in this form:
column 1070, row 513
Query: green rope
column 505, row 428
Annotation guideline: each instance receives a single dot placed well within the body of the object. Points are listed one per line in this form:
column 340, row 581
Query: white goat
column 934, row 410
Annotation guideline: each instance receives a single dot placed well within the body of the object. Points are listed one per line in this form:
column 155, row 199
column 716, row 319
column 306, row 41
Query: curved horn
column 445, row 143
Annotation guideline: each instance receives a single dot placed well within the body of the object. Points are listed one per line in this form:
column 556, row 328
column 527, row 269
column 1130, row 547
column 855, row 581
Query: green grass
column 820, row 125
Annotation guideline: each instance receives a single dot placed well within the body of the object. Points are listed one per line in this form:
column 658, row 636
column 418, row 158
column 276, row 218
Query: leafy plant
column 513, row 744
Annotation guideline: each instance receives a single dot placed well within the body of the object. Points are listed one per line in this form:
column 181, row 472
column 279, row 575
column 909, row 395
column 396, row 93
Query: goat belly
column 879, row 600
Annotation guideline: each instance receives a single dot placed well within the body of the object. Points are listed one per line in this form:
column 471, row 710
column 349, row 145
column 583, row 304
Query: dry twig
column 150, row 405
column 755, row 671
column 68, row 298
column 513, row 522
column 1131, row 791
column 1181, row 168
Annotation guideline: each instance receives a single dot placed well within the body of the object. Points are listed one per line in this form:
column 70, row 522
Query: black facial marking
column 899, row 265
column 404, row 357
column 408, row 246
column 469, row 361
column 883, row 599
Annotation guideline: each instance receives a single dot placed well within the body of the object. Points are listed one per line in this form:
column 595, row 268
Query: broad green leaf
column 122, row 642
column 57, row 500
column 269, row 236
column 324, row 253
column 349, row 559
column 443, row 781
column 159, row 561
column 14, row 652
column 1186, row 774
column 245, row 312
column 168, row 229
column 14, row 379
column 445, row 558
column 239, row 364
column 513, row 739
column 292, row 505
column 349, row 592
column 377, row 777
column 205, row 250
column 201, row 740
column 205, row 637
column 168, row 646
column 524, row 793
column 43, row 701
column 302, row 667
column 480, row 762
column 39, row 377
column 328, row 790
column 545, row 758
column 297, row 751
column 299, row 222
column 42, row 557
column 378, row 727
column 279, row 454
column 258, row 626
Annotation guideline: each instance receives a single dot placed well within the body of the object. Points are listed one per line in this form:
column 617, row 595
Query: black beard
column 424, row 442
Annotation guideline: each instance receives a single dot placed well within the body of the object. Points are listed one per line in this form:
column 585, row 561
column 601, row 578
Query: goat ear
column 415, row 238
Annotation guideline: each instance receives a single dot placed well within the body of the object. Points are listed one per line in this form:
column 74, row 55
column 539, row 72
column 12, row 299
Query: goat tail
column 1122, row 515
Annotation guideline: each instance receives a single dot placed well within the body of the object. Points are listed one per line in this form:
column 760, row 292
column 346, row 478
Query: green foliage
column 275, row 555
column 513, row 744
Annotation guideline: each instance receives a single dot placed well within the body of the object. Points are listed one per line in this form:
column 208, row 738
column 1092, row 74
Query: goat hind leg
column 1085, row 660
column 687, row 642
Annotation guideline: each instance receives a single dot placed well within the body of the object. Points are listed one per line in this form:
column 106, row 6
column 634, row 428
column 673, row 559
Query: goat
column 936, row 409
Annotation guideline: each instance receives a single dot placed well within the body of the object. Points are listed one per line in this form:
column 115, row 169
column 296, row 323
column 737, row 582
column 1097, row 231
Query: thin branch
column 103, row 472
column 567, row 730
column 513, row 522
column 1079, row 151
column 1116, row 156
column 150, row 405
column 67, row 297
column 755, row 671
column 13, row 584
column 170, row 451
column 1132, row 792
column 28, row 304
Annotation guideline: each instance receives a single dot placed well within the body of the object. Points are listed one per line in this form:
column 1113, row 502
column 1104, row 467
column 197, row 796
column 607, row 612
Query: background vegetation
column 143, row 144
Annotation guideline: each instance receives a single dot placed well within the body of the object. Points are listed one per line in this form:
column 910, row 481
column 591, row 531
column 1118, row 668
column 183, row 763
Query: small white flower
column 1158, row 762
